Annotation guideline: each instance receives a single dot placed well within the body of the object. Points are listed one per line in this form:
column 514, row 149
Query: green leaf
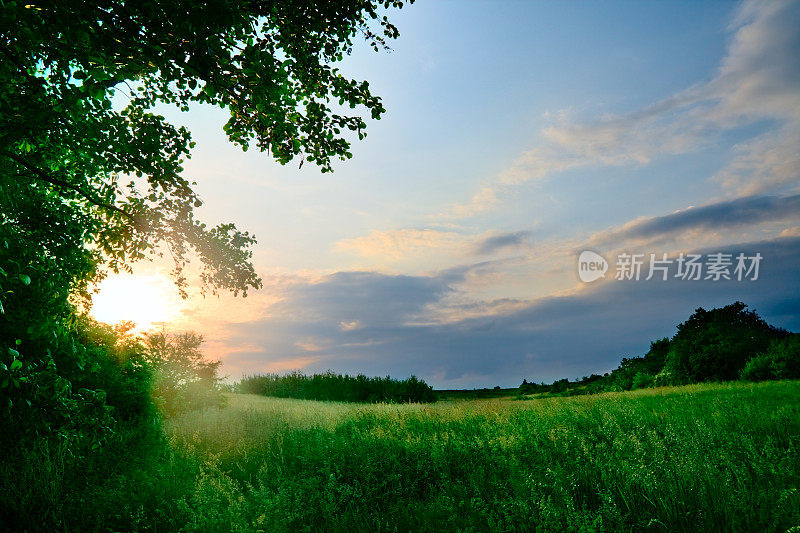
column 13, row 352
column 16, row 365
column 25, row 279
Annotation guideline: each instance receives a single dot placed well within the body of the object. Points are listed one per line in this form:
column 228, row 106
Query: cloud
column 350, row 301
column 725, row 215
column 309, row 345
column 502, row 241
column 760, row 75
column 349, row 326
column 459, row 327
column 243, row 363
column 399, row 244
column 758, row 80
column 769, row 162
column 568, row 335
column 426, row 250
column 791, row 232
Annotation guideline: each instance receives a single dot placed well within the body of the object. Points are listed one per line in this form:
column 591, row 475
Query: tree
column 91, row 175
column 656, row 356
column 716, row 344
column 183, row 378
column 110, row 177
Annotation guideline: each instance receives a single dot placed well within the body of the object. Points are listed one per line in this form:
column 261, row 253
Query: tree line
column 338, row 387
column 721, row 344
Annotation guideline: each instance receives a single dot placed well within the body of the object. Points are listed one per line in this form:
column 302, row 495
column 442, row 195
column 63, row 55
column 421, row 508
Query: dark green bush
column 780, row 361
column 758, row 368
column 642, row 380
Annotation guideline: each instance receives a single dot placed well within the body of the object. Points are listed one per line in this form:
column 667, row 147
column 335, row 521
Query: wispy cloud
column 502, row 241
column 769, row 162
column 402, row 243
column 716, row 217
column 758, row 80
column 430, row 247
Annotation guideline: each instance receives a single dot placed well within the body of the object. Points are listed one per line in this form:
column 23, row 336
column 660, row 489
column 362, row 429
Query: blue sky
column 517, row 135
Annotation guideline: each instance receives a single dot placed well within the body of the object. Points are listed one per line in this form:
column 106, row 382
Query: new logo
column 591, row 266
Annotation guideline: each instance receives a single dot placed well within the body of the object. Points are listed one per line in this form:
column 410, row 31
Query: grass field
column 697, row 458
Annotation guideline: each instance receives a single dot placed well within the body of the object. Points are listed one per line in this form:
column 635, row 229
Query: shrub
column 780, row 361
column 758, row 368
column 642, row 380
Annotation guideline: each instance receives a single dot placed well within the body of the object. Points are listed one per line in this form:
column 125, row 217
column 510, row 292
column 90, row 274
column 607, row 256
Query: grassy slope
column 702, row 457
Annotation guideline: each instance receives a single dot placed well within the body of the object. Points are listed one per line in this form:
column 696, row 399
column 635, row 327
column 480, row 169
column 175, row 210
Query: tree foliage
column 91, row 175
column 84, row 153
column 715, row 345
column 183, row 379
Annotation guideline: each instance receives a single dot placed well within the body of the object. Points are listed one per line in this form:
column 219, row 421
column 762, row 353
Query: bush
column 780, row 361
column 758, row 368
column 642, row 380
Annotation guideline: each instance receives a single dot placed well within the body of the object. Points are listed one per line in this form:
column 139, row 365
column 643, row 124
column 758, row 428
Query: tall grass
column 698, row 458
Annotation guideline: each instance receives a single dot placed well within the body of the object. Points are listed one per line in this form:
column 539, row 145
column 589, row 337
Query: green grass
column 475, row 394
column 697, row 458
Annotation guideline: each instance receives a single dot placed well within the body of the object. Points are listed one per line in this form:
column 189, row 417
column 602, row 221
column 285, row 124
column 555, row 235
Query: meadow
column 711, row 457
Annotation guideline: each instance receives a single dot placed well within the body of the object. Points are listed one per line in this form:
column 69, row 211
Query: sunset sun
column 145, row 300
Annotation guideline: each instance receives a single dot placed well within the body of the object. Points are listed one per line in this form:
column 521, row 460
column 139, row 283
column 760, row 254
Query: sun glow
column 145, row 300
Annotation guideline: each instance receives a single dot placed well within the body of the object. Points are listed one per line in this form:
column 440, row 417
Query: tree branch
column 44, row 176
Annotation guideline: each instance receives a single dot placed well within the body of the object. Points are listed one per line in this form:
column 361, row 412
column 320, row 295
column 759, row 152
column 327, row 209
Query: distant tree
column 532, row 387
column 338, row 387
column 183, row 378
column 716, row 344
column 758, row 368
column 560, row 385
column 656, row 356
column 623, row 377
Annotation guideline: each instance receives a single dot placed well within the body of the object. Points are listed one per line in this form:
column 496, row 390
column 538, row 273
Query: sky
column 517, row 135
